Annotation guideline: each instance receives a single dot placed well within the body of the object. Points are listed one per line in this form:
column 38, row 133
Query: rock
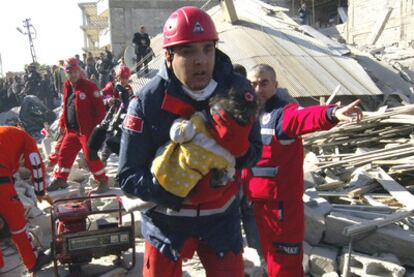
column 330, row 274
column 13, row 265
column 364, row 265
column 312, row 179
column 323, row 260
column 79, row 175
column 44, row 224
column 316, row 208
column 389, row 239
column 307, row 249
column 69, row 192
column 24, row 173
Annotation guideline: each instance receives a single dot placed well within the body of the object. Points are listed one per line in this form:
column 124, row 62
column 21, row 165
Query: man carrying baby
column 207, row 220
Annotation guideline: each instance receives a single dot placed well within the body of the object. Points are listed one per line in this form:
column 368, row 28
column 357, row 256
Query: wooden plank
column 335, row 47
column 402, row 195
column 379, row 26
column 342, row 13
column 365, row 227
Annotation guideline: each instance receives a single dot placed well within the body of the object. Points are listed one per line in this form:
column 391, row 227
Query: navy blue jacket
column 146, row 128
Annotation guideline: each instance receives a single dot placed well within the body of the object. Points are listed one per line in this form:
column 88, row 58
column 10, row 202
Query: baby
column 207, row 142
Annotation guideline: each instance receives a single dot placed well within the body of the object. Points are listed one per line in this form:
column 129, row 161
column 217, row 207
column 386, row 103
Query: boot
column 57, row 184
column 42, row 260
column 102, row 187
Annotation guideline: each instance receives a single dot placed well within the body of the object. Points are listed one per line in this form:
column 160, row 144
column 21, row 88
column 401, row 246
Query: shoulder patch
column 133, row 123
column 97, row 93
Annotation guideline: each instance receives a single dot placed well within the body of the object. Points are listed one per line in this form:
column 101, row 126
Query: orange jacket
column 15, row 144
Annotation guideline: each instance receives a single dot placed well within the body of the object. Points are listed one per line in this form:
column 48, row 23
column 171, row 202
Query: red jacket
column 15, row 143
column 279, row 173
column 89, row 106
column 110, row 91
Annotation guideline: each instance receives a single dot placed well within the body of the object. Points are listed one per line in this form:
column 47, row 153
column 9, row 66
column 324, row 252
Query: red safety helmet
column 71, row 64
column 187, row 25
column 123, row 72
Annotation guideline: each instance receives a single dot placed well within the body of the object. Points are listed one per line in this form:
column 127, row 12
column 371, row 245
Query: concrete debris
column 307, row 250
column 364, row 265
column 366, row 170
column 323, row 260
column 316, row 208
column 330, row 274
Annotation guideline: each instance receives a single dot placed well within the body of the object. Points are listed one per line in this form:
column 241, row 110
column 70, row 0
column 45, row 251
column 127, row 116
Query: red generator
column 74, row 243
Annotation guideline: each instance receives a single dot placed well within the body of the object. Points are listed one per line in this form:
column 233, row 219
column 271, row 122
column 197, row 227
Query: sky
column 58, row 31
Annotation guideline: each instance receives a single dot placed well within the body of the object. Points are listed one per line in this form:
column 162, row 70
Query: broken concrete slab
column 307, row 249
column 13, row 265
column 316, row 208
column 364, row 265
column 323, row 260
column 314, row 226
column 65, row 193
column 330, row 274
column 312, row 179
column 79, row 175
column 390, row 239
column 44, row 224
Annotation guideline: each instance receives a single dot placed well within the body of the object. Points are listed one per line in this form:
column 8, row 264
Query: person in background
column 143, row 50
column 83, row 109
column 304, row 15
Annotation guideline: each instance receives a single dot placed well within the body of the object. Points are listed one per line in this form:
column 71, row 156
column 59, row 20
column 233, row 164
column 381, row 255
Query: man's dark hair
column 238, row 68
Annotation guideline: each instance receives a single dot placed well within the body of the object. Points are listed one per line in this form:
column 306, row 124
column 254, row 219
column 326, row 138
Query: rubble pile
column 358, row 184
column 356, row 174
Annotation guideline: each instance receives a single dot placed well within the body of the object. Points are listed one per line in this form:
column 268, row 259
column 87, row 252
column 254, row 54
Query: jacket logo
column 198, row 28
column 288, row 248
column 82, row 96
column 133, row 123
column 97, row 94
column 266, row 118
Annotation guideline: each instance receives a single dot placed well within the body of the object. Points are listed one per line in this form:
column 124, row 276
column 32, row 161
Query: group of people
column 199, row 141
column 14, row 89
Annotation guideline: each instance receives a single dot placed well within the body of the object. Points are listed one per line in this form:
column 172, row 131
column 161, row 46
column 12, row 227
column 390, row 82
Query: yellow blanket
column 180, row 166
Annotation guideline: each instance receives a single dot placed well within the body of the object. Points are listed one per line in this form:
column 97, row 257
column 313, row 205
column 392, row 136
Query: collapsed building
column 356, row 175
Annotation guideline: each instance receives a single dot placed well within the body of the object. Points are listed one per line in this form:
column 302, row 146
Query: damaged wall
column 125, row 17
column 363, row 17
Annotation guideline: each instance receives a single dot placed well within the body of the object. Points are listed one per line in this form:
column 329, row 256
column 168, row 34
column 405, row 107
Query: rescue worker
column 112, row 89
column 15, row 143
column 208, row 219
column 121, row 92
column 275, row 185
column 83, row 109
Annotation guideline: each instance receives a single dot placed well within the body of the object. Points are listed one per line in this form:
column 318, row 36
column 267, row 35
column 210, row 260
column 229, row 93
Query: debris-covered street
column 185, row 143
